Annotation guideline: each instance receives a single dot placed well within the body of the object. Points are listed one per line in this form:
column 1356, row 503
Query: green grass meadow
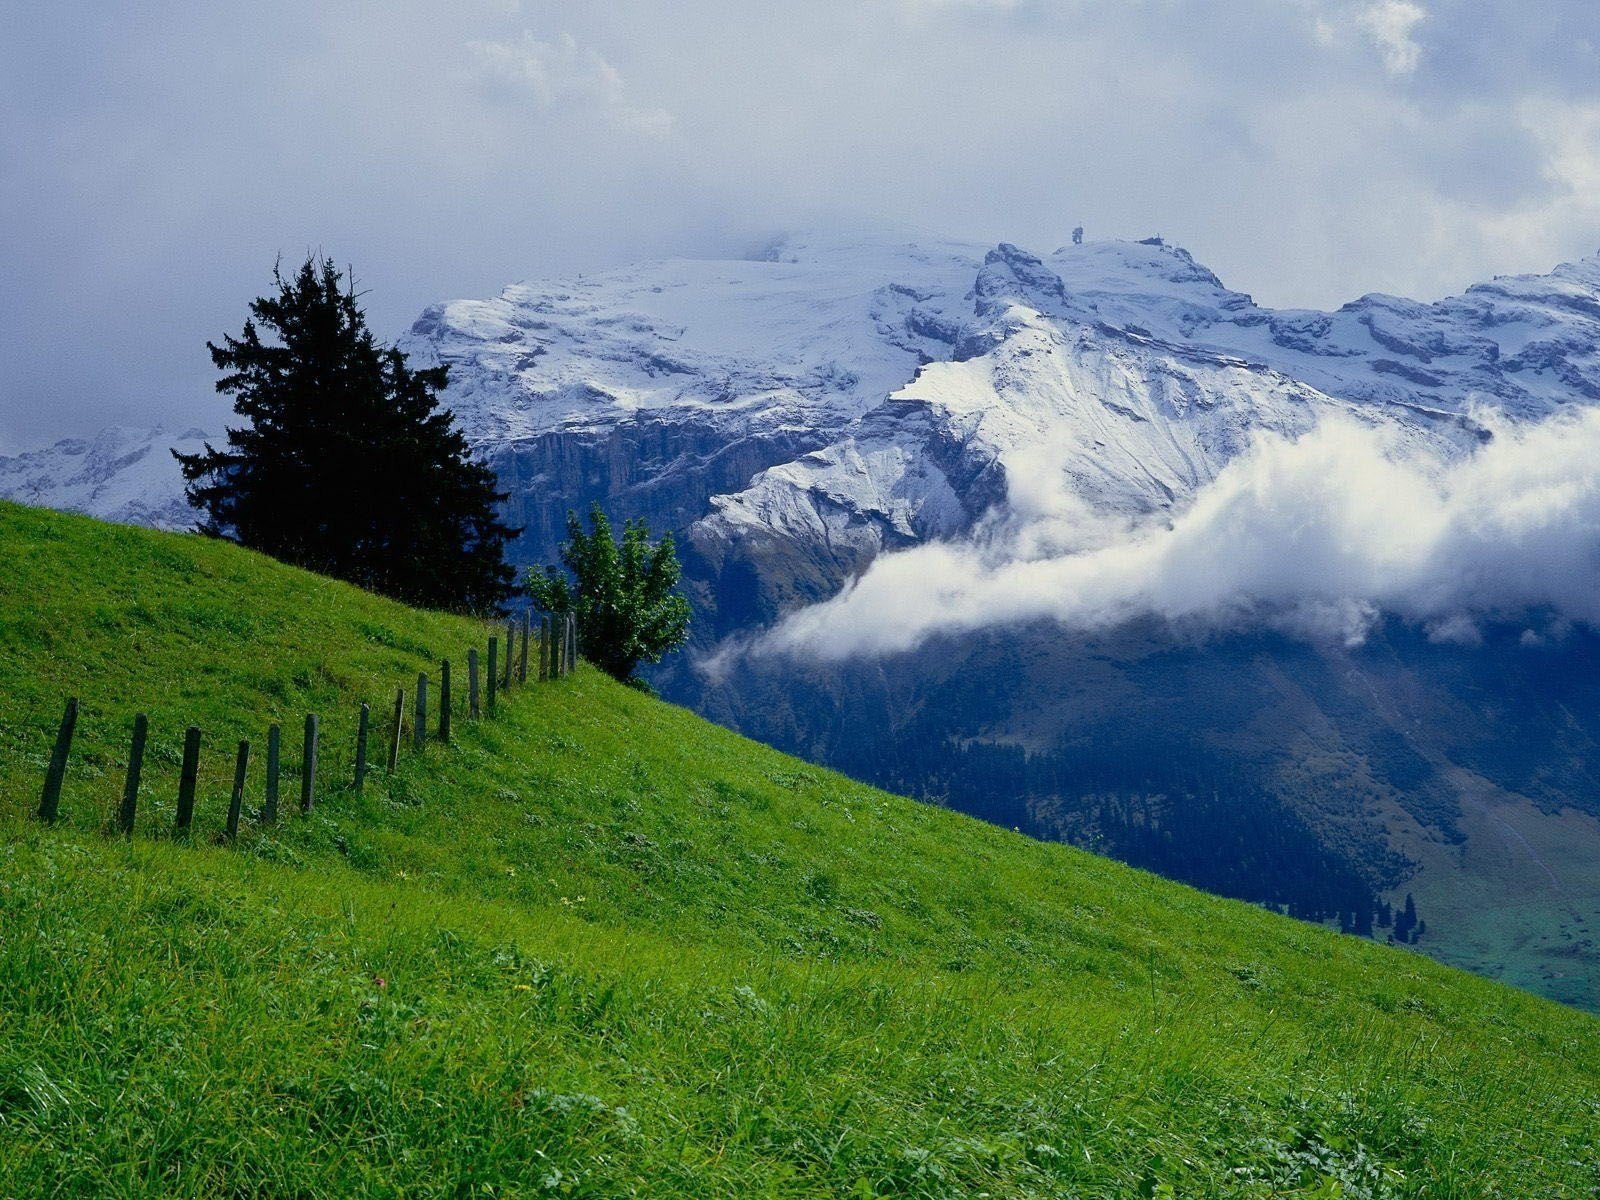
column 599, row 947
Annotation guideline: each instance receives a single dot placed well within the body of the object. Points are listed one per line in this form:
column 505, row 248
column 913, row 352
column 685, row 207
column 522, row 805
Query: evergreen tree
column 345, row 463
column 624, row 593
column 1405, row 921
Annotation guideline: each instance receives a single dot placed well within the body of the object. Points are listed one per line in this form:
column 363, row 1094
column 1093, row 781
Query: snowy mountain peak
column 924, row 366
column 120, row 474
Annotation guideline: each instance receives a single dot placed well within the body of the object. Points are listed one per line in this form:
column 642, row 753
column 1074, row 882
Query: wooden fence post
column 572, row 642
column 511, row 650
column 394, row 731
column 522, row 658
column 419, row 725
column 472, row 684
column 50, row 798
column 269, row 806
column 494, row 647
column 544, row 648
column 130, row 787
column 444, row 701
column 187, row 778
column 308, row 766
column 361, row 745
column 240, row 765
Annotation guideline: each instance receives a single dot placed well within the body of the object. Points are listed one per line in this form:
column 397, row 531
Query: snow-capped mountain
column 1143, row 375
column 875, row 389
column 795, row 414
column 120, row 474
column 857, row 393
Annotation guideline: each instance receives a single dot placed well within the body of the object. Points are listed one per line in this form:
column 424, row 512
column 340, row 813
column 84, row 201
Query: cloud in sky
column 1389, row 26
column 158, row 157
column 1392, row 26
column 1316, row 535
column 561, row 75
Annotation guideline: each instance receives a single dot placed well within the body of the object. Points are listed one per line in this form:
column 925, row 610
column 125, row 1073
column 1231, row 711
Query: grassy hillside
column 598, row 947
column 1461, row 774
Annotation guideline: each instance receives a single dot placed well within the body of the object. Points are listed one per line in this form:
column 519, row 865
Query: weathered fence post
column 419, row 726
column 544, row 648
column 522, row 658
column 130, row 787
column 472, row 684
column 187, row 777
column 444, row 701
column 494, row 648
column 511, row 650
column 394, row 731
column 308, row 766
column 269, row 806
column 50, row 798
column 572, row 642
column 240, row 765
column 361, row 745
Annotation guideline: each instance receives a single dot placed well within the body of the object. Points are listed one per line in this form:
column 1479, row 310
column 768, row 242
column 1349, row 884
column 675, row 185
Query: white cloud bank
column 1318, row 535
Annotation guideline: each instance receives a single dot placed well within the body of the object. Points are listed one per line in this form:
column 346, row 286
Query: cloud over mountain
column 1318, row 533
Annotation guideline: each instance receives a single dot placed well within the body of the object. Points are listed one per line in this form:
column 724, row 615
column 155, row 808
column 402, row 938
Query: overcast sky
column 156, row 157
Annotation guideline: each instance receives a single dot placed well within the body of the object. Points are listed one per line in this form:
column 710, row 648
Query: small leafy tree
column 345, row 463
column 624, row 593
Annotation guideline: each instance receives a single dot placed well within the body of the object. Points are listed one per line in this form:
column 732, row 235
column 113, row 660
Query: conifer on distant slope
column 346, row 464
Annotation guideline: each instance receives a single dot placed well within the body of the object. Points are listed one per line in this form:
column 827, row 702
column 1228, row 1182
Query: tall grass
column 598, row 947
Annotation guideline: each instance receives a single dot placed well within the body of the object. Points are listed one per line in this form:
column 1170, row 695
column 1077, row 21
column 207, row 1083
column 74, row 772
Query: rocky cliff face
column 655, row 389
column 842, row 396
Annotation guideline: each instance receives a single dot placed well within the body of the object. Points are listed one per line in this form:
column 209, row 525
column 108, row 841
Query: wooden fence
column 556, row 638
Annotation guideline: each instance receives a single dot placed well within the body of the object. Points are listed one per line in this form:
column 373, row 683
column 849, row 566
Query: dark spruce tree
column 346, row 464
column 625, row 594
